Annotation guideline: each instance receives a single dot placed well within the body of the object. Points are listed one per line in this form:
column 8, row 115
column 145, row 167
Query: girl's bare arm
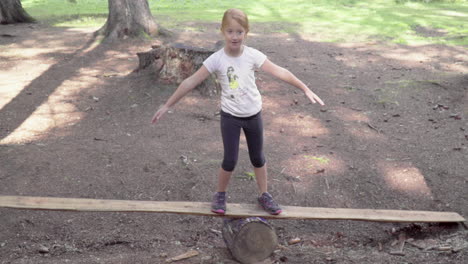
column 285, row 75
column 185, row 87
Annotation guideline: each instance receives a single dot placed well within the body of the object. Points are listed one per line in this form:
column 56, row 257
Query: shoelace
column 269, row 202
column 220, row 199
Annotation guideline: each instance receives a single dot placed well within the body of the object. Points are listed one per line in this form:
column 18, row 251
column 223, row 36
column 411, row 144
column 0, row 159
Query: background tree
column 11, row 12
column 129, row 18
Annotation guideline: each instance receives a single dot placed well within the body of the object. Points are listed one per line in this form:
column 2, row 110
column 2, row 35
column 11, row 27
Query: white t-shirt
column 240, row 96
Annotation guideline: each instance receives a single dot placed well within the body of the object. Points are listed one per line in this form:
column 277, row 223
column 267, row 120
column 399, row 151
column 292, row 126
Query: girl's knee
column 229, row 165
column 258, row 162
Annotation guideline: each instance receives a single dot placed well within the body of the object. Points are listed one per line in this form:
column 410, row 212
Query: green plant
column 322, row 160
column 247, row 176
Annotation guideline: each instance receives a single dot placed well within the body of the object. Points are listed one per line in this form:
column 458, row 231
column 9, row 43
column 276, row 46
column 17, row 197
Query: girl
column 241, row 104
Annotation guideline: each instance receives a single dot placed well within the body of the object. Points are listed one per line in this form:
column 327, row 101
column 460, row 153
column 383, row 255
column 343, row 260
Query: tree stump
column 173, row 63
column 249, row 240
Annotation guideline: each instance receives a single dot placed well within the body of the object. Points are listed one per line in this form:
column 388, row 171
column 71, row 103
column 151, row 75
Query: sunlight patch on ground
column 406, row 179
column 13, row 81
column 347, row 114
column 83, row 29
column 437, row 55
column 57, row 112
column 414, row 57
column 405, row 54
column 357, row 123
column 302, row 126
column 307, row 171
column 452, row 13
column 60, row 109
column 22, row 51
column 461, row 64
column 50, row 115
column 26, row 55
column 363, row 131
column 189, row 100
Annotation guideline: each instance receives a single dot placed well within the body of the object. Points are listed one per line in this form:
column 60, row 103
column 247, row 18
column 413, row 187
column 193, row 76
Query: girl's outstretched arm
column 287, row 76
column 186, row 86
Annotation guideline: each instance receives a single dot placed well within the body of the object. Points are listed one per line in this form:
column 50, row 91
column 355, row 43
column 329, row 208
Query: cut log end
column 249, row 240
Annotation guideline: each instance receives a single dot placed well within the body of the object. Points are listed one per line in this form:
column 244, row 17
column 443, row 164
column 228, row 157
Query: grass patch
column 398, row 21
column 83, row 13
column 321, row 160
column 247, row 176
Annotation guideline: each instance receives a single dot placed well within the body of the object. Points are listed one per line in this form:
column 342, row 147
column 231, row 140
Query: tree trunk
column 128, row 18
column 173, row 63
column 11, row 12
column 250, row 240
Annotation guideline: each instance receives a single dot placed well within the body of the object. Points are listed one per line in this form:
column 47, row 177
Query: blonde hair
column 238, row 15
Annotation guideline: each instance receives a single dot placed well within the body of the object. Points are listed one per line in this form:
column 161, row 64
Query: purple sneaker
column 269, row 205
column 218, row 205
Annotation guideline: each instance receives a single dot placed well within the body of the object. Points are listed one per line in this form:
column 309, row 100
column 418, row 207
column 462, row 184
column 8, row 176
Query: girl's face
column 234, row 36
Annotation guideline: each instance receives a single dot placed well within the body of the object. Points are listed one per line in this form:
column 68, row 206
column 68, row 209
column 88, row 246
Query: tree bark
column 128, row 18
column 250, row 240
column 173, row 63
column 11, row 12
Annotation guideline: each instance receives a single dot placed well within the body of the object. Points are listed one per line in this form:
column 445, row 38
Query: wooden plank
column 234, row 210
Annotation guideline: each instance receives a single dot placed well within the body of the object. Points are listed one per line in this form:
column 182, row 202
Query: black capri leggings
column 230, row 131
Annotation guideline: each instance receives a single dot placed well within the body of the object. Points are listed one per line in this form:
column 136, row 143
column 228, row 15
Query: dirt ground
column 75, row 122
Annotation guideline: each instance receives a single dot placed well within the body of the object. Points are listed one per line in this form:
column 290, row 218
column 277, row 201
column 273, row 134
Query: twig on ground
column 186, row 255
column 372, row 127
column 401, row 242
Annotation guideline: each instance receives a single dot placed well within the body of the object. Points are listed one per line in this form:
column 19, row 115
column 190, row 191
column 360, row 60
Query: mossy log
column 172, row 63
column 250, row 240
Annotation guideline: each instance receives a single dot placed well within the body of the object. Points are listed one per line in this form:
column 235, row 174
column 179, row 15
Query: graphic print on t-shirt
column 233, row 84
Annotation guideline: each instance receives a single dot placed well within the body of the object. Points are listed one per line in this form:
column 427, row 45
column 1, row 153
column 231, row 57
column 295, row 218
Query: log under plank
column 234, row 210
column 250, row 240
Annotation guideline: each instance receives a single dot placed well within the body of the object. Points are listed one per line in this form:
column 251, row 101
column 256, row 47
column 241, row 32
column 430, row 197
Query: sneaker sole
column 219, row 211
column 276, row 212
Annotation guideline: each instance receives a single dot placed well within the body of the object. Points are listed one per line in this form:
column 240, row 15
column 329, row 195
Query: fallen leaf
column 294, row 241
column 455, row 116
column 43, row 249
column 444, row 248
column 186, row 255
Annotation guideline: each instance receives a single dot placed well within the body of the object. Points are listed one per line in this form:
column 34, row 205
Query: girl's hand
column 313, row 97
column 159, row 114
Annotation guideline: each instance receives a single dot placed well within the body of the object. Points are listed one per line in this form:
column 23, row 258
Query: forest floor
column 75, row 122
